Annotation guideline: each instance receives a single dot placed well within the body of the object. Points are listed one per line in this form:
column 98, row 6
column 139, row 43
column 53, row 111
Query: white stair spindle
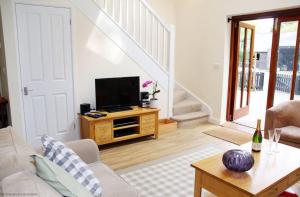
column 105, row 5
column 142, row 26
column 120, row 12
column 140, row 22
column 150, row 33
column 133, row 19
column 127, row 15
column 167, row 49
column 113, row 9
column 153, row 37
column 146, row 28
column 157, row 41
column 163, row 46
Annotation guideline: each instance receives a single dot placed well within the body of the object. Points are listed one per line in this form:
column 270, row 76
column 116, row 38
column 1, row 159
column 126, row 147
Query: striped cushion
column 63, row 156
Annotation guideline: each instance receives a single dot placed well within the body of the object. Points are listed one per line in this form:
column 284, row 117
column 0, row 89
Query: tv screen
column 117, row 92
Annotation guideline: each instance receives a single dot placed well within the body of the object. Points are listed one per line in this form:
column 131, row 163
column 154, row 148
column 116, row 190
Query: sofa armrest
column 86, row 149
column 282, row 115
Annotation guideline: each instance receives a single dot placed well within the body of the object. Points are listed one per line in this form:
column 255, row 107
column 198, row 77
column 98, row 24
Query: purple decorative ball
column 238, row 160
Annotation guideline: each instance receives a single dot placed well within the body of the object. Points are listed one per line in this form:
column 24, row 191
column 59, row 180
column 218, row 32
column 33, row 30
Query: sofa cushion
column 112, row 184
column 60, row 154
column 14, row 153
column 290, row 134
column 28, row 184
column 59, row 179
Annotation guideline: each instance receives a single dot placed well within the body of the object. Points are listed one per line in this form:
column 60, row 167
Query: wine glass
column 277, row 137
column 271, row 139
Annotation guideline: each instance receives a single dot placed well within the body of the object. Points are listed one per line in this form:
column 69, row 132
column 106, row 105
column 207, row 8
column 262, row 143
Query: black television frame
column 121, row 106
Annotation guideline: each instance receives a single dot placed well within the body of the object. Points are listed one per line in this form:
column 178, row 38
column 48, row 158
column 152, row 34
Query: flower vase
column 154, row 103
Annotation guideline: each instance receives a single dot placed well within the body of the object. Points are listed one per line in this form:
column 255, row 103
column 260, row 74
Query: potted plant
column 154, row 103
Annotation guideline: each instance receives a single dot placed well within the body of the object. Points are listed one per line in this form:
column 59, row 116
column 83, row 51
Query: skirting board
column 215, row 121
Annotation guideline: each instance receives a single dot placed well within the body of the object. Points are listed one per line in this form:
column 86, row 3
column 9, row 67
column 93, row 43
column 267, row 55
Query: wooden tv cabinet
column 120, row 126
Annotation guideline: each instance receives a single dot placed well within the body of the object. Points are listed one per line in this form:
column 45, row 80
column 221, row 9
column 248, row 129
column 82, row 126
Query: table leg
column 156, row 135
column 198, row 184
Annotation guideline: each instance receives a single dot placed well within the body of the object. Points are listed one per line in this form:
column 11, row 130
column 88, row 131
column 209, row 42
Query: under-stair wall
column 140, row 33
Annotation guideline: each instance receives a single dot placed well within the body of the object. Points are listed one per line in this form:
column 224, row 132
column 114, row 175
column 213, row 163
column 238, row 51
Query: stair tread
column 186, row 102
column 190, row 116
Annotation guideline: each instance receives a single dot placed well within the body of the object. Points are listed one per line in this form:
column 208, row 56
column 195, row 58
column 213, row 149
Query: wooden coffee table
column 270, row 175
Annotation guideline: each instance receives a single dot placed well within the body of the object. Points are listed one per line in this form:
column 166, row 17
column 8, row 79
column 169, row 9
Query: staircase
column 188, row 111
column 135, row 27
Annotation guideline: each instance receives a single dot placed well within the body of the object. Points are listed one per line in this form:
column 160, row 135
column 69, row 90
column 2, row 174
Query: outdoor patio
column 257, row 108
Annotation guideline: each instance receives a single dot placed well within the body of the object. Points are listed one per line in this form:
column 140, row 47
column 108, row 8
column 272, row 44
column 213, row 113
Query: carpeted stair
column 187, row 111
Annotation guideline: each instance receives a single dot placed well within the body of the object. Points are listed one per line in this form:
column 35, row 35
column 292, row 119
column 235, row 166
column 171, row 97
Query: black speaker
column 85, row 108
column 144, row 96
column 144, row 99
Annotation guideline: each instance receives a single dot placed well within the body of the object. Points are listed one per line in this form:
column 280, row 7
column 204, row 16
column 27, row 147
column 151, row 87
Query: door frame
column 274, row 58
column 20, row 90
column 241, row 111
column 233, row 50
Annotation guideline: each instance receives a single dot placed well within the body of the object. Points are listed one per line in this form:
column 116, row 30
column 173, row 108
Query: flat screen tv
column 117, row 92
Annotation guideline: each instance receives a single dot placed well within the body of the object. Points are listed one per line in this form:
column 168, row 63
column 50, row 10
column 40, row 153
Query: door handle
column 26, row 90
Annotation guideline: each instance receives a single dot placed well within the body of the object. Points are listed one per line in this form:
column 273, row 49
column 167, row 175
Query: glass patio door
column 244, row 61
column 285, row 61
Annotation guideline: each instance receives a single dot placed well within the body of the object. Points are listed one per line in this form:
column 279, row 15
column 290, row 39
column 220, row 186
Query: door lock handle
column 26, row 90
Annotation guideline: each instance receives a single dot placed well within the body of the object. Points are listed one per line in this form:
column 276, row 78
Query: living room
column 65, row 64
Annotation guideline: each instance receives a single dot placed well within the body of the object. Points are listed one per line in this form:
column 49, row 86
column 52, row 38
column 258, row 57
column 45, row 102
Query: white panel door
column 45, row 53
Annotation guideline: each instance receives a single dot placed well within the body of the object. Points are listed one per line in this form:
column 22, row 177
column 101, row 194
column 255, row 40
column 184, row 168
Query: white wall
column 165, row 9
column 202, row 46
column 95, row 56
column 202, row 50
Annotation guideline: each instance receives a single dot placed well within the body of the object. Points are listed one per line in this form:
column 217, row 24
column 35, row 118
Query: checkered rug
column 170, row 178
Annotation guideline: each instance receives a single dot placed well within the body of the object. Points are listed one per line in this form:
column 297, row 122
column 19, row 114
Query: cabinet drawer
column 276, row 189
column 103, row 132
column 295, row 177
column 148, row 117
column 148, row 124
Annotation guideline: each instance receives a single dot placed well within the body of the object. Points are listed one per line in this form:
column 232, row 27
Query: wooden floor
column 239, row 127
column 127, row 154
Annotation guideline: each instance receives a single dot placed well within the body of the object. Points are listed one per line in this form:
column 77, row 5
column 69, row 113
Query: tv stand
column 121, row 126
column 117, row 109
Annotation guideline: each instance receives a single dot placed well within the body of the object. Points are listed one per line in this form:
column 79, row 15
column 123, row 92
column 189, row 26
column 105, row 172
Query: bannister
column 143, row 25
column 142, row 35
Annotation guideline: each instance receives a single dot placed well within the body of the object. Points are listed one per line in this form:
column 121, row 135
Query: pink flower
column 146, row 83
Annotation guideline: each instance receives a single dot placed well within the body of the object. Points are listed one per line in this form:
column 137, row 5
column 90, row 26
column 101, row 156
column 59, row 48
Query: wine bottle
column 257, row 138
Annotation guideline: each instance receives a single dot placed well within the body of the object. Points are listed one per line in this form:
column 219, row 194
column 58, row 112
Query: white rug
column 170, row 178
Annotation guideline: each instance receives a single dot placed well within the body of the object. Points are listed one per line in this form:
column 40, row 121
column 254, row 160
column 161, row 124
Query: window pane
column 286, row 53
column 246, row 77
column 240, row 68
